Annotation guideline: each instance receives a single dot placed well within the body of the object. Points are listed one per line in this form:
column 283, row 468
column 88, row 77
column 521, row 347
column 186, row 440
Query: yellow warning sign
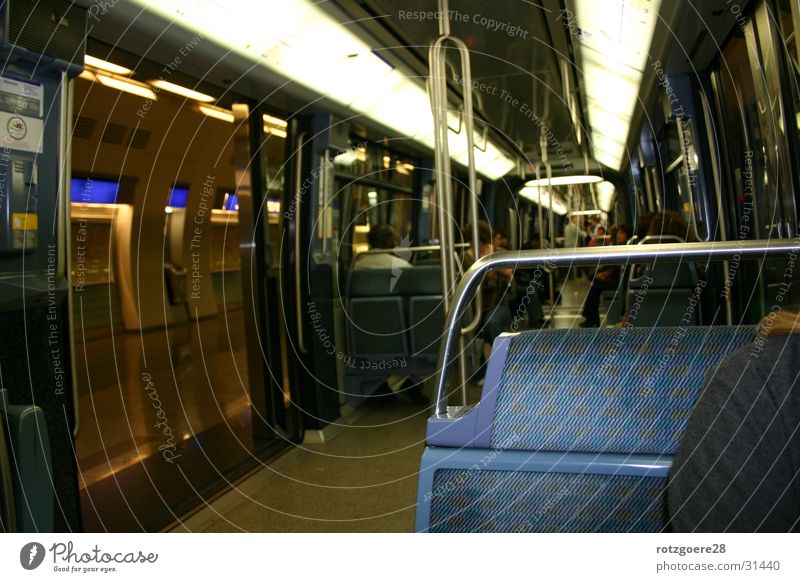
column 24, row 221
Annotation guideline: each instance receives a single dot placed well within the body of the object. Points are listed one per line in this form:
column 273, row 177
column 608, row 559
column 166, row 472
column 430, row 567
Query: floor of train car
column 168, row 393
column 363, row 480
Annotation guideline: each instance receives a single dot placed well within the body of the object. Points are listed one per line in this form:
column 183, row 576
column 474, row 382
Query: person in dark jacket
column 738, row 466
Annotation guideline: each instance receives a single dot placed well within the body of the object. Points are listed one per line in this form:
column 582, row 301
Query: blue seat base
column 486, row 490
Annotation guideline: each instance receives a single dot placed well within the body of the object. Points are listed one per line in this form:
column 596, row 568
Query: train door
column 260, row 146
column 756, row 152
column 339, row 186
column 171, row 251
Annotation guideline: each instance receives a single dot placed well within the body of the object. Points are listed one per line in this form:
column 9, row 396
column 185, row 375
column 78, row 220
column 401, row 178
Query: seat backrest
column 623, row 390
column 376, row 319
column 575, row 431
column 664, row 294
column 422, row 288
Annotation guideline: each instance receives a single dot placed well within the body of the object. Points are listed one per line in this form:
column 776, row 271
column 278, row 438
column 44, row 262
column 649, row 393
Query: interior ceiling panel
column 514, row 67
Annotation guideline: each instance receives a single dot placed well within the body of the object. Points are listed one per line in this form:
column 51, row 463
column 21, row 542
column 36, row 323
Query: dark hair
column 669, row 223
column 484, row 233
column 626, row 228
column 643, row 224
column 501, row 233
column 381, row 236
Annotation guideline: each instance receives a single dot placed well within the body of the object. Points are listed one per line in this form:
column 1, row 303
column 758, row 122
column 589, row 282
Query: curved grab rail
column 584, row 257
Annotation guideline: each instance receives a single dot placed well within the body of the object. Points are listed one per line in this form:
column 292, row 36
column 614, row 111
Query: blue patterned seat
column 575, row 431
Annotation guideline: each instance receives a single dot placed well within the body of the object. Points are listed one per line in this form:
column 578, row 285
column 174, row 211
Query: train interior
column 225, row 173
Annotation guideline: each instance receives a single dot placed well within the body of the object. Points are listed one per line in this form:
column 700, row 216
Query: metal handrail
column 298, row 220
column 444, row 188
column 687, row 163
column 421, row 249
column 8, row 508
column 583, row 257
column 438, row 89
column 324, row 192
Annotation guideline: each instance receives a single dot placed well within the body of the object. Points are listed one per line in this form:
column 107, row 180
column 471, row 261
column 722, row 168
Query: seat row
column 575, row 431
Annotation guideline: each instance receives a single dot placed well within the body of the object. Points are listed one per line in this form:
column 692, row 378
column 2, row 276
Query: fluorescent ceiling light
column 299, row 41
column 217, row 113
column 607, row 122
column 605, row 195
column 105, row 65
column 127, row 85
column 614, row 48
column 601, row 142
column 182, row 91
column 274, row 131
column 540, row 197
column 563, row 181
column 274, row 121
column 586, row 212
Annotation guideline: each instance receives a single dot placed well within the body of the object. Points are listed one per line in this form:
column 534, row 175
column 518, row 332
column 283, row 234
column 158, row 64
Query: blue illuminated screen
column 231, row 202
column 177, row 199
column 91, row 191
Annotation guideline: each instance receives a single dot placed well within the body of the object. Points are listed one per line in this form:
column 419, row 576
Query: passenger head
column 599, row 231
column 669, row 223
column 623, row 234
column 484, row 237
column 500, row 239
column 381, row 236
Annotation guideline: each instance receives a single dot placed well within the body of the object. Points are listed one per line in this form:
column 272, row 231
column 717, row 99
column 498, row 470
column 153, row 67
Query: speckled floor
column 363, row 480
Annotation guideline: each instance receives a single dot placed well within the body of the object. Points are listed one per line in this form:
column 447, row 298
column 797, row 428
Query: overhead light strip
column 299, row 41
column 616, row 39
column 182, row 91
column 96, row 63
column 126, row 85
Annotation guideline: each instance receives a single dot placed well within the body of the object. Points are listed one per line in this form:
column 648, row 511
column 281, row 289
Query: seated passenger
column 738, row 466
column 381, row 237
column 605, row 279
column 500, row 240
column 599, row 237
column 495, row 288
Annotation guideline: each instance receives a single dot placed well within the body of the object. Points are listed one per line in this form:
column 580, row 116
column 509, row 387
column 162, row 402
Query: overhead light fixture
column 542, row 198
column 216, row 112
column 586, row 212
column 275, row 131
column 105, row 65
column 269, row 119
column 182, row 91
column 605, row 196
column 564, row 181
column 299, row 41
column 88, row 75
column 126, row 85
column 615, row 40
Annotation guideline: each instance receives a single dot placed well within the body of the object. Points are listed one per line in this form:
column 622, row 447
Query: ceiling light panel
column 615, row 40
column 563, row 181
column 299, row 41
column 105, row 65
column 126, row 85
column 182, row 91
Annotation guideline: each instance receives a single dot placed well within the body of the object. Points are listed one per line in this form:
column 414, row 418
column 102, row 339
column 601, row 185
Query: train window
column 773, row 114
column 788, row 19
column 178, row 197
column 93, row 191
column 754, row 203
